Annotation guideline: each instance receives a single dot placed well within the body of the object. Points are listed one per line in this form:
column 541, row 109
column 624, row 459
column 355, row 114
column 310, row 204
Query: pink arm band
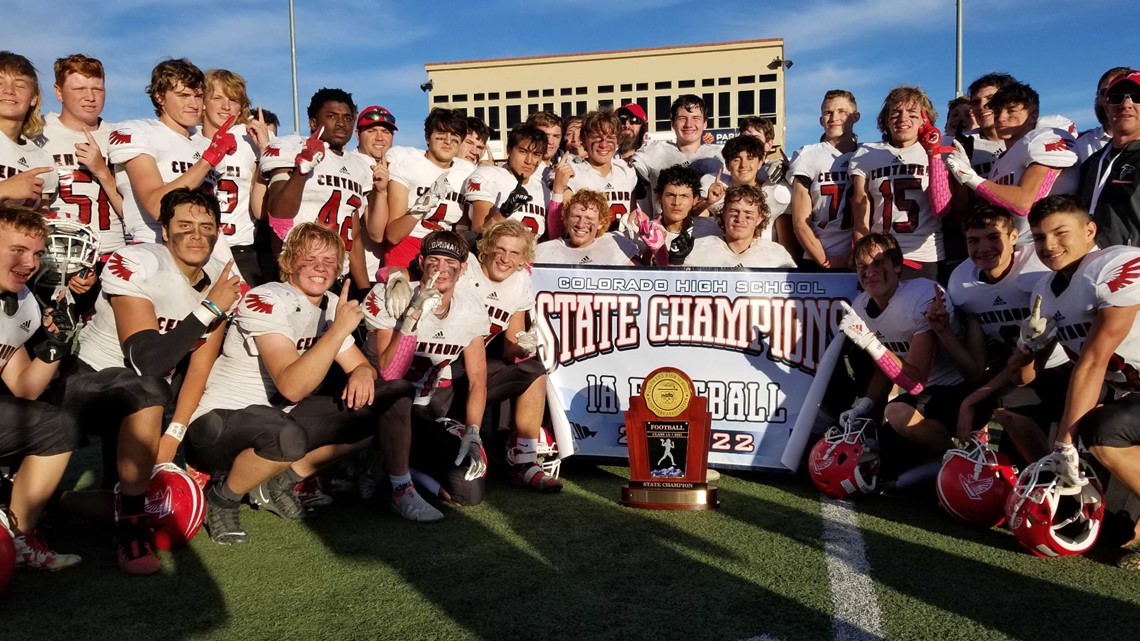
column 1046, row 185
column 280, row 226
column 398, row 366
column 554, row 220
column 939, row 187
column 895, row 373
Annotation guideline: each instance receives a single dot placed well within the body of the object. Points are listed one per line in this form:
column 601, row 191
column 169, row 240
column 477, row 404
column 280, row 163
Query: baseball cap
column 1132, row 77
column 634, row 110
column 444, row 243
column 375, row 115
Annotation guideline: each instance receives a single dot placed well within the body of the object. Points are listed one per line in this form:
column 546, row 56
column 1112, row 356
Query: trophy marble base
column 698, row 496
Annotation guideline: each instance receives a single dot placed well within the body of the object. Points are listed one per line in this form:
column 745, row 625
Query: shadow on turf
column 580, row 568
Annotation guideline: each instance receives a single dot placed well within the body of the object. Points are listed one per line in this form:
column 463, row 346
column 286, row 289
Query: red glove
column 931, row 139
column 312, row 153
column 222, row 144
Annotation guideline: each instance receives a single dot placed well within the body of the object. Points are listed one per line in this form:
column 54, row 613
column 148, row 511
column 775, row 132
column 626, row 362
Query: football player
column 600, row 172
column 678, row 190
column 76, row 138
column 689, row 117
column 375, row 129
column 1110, row 184
column 572, row 138
column 744, row 216
column 1038, row 161
column 152, row 158
column 514, row 191
column 159, row 304
column 1089, row 304
column 890, row 182
column 991, row 291
column 821, row 216
column 418, row 344
column 37, row 432
column 551, row 125
column 27, row 173
column 262, row 418
column 314, row 179
column 889, row 322
column 586, row 219
column 424, row 190
column 240, row 189
column 959, row 117
column 1093, row 140
column 475, row 144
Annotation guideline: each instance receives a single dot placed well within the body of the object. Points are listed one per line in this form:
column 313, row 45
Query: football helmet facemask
column 974, row 483
column 1049, row 523
column 845, row 462
column 70, row 247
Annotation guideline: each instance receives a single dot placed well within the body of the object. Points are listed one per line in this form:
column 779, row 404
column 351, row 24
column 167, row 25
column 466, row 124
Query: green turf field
column 579, row 566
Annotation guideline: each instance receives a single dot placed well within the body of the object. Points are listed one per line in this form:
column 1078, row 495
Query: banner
column 751, row 340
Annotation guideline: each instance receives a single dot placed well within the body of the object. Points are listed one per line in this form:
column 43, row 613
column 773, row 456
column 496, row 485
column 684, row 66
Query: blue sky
column 376, row 49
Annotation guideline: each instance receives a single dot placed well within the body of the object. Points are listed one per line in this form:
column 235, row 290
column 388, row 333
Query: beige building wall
column 735, row 79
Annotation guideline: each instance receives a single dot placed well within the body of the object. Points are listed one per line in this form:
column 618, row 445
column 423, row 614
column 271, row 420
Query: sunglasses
column 631, row 119
column 1118, row 98
column 376, row 116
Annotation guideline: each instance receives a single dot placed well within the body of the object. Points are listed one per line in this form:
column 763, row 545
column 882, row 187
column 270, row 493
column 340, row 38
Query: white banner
column 751, row 340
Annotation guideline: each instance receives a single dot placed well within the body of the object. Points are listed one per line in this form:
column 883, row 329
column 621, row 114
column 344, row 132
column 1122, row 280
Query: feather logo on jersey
column 119, row 138
column 473, row 185
column 1125, row 275
column 119, row 268
column 271, row 151
column 255, row 303
column 1061, row 144
column 371, row 305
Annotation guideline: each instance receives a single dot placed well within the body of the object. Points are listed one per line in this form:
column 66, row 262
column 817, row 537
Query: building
column 735, row 79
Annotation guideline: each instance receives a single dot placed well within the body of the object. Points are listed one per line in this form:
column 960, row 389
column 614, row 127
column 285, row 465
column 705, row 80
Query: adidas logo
column 345, row 171
column 585, row 259
column 1058, row 316
column 609, row 186
column 438, row 335
column 22, row 162
column 999, row 301
column 493, row 296
column 197, row 156
column 26, row 325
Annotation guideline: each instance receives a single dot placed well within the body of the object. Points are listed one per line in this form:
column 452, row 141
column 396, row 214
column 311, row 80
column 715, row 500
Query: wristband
column 205, row 315
column 209, row 304
column 176, row 430
column 280, row 178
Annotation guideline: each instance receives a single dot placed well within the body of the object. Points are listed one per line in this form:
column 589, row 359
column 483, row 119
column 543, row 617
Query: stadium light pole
column 958, row 50
column 293, row 58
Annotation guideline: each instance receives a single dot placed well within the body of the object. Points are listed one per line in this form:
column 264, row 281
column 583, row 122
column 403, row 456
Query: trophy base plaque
column 700, row 496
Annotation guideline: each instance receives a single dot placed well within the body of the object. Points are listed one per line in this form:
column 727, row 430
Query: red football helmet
column 1049, row 523
column 176, row 506
column 845, row 462
column 7, row 553
column 974, row 483
column 545, row 454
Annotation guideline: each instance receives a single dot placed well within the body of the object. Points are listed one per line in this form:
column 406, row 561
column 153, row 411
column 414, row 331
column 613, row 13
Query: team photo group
column 238, row 320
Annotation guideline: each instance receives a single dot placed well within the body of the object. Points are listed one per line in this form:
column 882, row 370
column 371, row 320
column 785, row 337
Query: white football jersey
column 144, row 271
column 373, row 251
column 905, row 317
column 1000, row 307
column 18, row 157
column 80, row 196
column 1108, row 277
column 778, row 197
column 501, row 299
column 428, row 183
column 617, row 186
column 609, row 249
column 238, row 379
column 15, row 330
column 897, row 181
column 1044, row 146
column 173, row 153
column 825, row 169
column 656, row 155
column 439, row 340
column 336, row 189
column 494, row 184
column 985, row 153
column 713, row 251
column 234, row 176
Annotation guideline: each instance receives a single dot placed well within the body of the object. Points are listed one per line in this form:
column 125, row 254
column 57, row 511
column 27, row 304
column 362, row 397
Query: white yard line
column 856, row 609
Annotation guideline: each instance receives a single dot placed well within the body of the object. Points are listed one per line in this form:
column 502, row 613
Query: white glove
column 470, row 446
column 1037, row 333
column 630, row 224
column 424, row 206
column 527, row 341
column 861, row 409
column 397, row 293
column 856, row 329
column 426, row 301
column 1065, row 463
column 165, row 467
column 958, row 163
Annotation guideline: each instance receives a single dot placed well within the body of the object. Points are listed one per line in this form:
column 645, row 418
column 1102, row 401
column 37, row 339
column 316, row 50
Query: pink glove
column 651, row 233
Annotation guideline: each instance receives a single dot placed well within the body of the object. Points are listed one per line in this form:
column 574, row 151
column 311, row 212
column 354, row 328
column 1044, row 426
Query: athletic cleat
column 223, row 523
column 283, row 503
column 134, row 546
column 33, row 553
column 200, row 478
column 535, row 478
column 409, row 504
column 310, row 494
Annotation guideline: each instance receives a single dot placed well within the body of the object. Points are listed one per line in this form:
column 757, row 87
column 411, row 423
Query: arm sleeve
column 153, row 354
column 939, row 187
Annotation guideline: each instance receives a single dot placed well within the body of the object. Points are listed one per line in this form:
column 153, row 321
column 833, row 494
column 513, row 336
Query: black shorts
column 505, row 381
column 104, row 398
column 215, row 439
column 34, row 428
column 1114, row 424
column 940, row 403
column 1042, row 401
column 327, row 420
column 433, row 452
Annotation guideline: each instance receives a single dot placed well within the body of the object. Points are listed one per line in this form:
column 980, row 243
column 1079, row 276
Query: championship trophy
column 667, row 428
